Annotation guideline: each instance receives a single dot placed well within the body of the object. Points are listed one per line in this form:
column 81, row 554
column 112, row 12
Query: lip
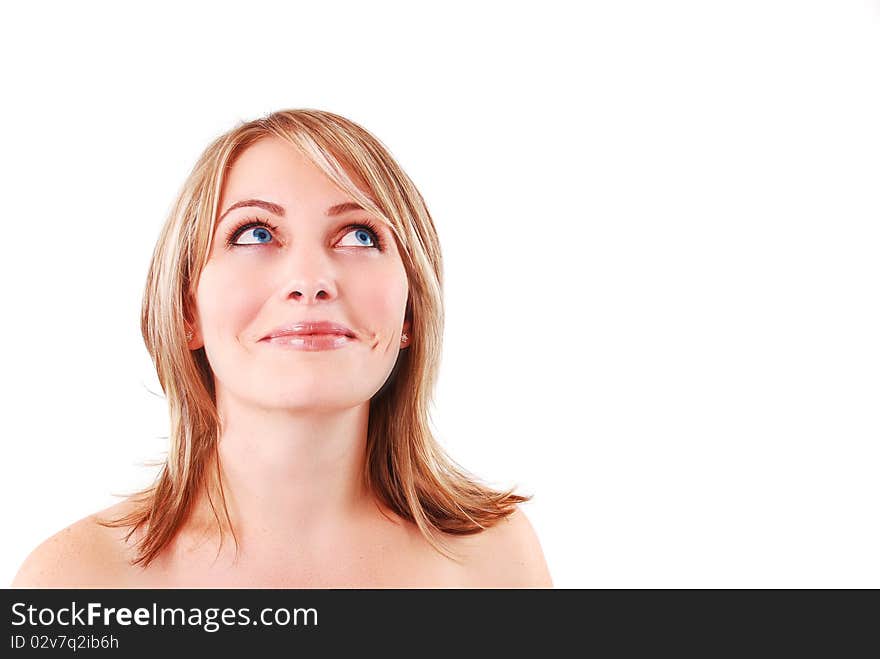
column 310, row 342
column 310, row 328
column 311, row 335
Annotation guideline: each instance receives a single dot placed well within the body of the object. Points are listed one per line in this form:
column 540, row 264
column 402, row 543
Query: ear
column 192, row 324
column 407, row 329
column 196, row 341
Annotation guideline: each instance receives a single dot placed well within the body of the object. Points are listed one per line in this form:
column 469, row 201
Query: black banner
column 408, row 622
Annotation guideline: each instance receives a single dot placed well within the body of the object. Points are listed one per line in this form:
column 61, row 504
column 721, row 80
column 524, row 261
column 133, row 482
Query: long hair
column 405, row 467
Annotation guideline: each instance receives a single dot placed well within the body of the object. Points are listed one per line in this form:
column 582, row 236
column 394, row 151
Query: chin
column 300, row 397
column 299, row 388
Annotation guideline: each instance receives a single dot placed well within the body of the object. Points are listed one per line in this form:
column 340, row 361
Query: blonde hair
column 405, row 468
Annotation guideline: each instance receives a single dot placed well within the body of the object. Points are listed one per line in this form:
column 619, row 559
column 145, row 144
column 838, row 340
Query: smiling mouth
column 310, row 342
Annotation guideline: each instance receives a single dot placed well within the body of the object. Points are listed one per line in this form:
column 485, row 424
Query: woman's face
column 303, row 265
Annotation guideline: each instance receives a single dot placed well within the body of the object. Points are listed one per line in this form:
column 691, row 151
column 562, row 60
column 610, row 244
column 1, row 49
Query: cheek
column 381, row 300
column 227, row 298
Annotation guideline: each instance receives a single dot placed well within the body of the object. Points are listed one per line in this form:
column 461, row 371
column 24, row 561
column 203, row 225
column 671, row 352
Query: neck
column 292, row 476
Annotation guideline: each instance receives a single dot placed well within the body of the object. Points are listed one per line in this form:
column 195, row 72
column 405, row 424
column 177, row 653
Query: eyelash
column 252, row 222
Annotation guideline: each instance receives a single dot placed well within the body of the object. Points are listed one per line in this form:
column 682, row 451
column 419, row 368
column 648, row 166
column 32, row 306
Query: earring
column 189, row 336
column 404, row 338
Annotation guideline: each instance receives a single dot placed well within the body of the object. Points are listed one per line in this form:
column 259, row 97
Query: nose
column 310, row 293
column 312, row 279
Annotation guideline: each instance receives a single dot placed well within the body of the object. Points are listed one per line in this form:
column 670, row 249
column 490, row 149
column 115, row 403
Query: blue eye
column 363, row 234
column 366, row 230
column 258, row 228
column 261, row 234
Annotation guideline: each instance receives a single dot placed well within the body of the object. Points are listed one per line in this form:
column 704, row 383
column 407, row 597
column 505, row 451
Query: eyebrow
column 338, row 209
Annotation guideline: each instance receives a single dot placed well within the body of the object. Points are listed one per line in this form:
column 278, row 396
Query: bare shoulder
column 506, row 555
column 82, row 555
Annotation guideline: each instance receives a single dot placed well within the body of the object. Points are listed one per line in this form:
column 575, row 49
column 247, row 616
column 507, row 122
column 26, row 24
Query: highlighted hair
column 405, row 467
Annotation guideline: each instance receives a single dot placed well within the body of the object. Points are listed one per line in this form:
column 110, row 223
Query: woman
column 294, row 313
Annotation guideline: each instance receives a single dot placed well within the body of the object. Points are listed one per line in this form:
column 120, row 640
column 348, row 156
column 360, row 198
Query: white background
column 660, row 228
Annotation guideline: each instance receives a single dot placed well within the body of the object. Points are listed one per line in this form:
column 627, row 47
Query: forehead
column 273, row 166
